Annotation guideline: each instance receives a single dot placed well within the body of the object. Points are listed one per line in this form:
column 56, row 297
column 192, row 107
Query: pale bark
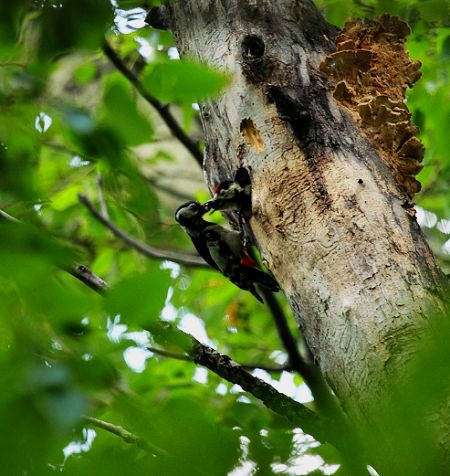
column 328, row 216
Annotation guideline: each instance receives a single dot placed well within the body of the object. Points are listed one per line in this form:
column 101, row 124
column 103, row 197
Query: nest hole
column 252, row 47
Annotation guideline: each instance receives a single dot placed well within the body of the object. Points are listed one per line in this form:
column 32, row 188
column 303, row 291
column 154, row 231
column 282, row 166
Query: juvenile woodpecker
column 222, row 249
column 233, row 194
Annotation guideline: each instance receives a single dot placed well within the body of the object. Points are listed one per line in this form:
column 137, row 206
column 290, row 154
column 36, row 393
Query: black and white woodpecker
column 222, row 249
column 233, row 195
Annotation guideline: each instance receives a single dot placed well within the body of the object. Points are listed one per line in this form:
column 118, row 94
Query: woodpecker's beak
column 208, row 206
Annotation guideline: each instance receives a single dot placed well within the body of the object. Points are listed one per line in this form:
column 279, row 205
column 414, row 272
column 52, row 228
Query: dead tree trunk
column 317, row 117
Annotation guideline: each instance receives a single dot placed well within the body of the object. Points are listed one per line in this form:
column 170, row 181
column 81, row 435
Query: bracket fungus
column 371, row 71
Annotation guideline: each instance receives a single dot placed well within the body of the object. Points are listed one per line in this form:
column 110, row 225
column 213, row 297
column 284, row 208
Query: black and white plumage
column 234, row 263
column 233, row 194
column 222, row 249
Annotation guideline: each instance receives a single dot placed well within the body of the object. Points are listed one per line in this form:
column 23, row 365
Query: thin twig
column 162, row 109
column 146, row 250
column 86, row 276
column 174, row 355
column 8, row 217
column 284, row 333
column 127, row 436
column 168, row 190
column 101, row 197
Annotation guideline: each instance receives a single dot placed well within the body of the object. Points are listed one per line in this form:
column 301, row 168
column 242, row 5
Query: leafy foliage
column 69, row 118
column 182, row 81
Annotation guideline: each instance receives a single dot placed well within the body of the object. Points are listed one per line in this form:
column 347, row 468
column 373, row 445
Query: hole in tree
column 252, row 135
column 242, row 176
column 252, row 47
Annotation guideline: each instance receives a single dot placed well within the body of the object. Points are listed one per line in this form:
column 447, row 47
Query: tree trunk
column 331, row 154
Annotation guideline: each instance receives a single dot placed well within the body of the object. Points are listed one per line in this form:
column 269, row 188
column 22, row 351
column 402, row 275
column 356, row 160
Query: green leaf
column 10, row 13
column 85, row 73
column 95, row 140
column 140, row 298
column 183, row 81
column 67, row 197
column 189, row 433
column 39, row 395
column 433, row 10
column 26, row 252
column 17, row 155
column 121, row 113
column 68, row 24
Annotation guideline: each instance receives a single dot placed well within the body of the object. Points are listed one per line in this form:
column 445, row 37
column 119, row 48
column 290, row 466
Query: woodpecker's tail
column 259, row 277
column 253, row 290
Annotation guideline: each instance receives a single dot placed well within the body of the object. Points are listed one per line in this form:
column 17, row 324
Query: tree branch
column 127, row 436
column 162, row 109
column 225, row 367
column 287, row 339
column 322, row 429
column 173, row 355
column 327, row 429
column 86, row 276
column 146, row 250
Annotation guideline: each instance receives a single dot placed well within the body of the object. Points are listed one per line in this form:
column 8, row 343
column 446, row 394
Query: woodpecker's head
column 226, row 195
column 189, row 212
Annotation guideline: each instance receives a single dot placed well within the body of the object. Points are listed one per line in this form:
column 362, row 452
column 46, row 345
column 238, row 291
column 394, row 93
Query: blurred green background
column 71, row 123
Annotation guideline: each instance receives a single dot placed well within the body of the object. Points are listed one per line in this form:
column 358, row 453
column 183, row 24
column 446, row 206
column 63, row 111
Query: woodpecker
column 222, row 249
column 233, row 194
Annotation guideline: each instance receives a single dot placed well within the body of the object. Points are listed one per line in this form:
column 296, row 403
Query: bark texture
column 331, row 215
